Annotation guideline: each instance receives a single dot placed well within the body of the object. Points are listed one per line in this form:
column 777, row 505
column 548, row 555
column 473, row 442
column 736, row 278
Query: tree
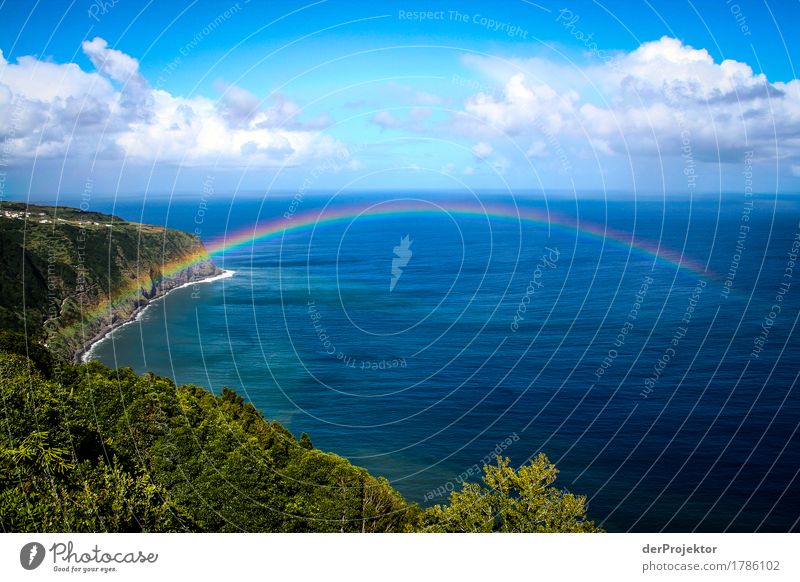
column 17, row 343
column 512, row 501
column 305, row 442
column 43, row 489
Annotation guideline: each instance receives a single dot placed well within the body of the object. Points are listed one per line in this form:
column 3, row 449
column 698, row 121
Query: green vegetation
column 62, row 266
column 87, row 449
column 95, row 449
column 513, row 501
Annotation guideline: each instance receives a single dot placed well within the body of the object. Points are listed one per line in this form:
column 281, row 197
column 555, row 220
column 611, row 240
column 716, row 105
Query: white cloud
column 523, row 106
column 482, row 150
column 386, row 120
column 412, row 119
column 111, row 62
column 237, row 106
column 645, row 102
column 355, row 165
column 537, row 149
column 55, row 110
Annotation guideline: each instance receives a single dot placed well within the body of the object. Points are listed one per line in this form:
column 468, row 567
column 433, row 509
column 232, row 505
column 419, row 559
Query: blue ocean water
column 670, row 403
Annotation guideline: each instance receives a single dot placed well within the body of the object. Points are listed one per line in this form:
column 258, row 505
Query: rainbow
column 133, row 290
column 290, row 223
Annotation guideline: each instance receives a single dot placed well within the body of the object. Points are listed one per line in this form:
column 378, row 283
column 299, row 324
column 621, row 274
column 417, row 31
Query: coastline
column 85, row 355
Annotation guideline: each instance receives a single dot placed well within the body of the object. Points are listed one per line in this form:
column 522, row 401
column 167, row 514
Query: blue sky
column 625, row 96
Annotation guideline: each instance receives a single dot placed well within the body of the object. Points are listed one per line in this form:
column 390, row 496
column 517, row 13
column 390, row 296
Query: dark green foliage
column 305, row 441
column 521, row 500
column 114, row 451
column 53, row 472
column 16, row 343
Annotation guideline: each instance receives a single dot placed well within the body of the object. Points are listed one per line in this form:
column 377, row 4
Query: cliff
column 71, row 276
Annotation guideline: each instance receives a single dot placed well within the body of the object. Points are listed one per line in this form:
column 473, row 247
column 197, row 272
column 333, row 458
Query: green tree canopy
column 522, row 500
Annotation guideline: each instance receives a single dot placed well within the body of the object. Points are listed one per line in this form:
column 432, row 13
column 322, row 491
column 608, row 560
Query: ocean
column 648, row 347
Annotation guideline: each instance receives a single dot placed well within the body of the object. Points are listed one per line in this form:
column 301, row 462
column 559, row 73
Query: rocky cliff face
column 99, row 320
column 84, row 273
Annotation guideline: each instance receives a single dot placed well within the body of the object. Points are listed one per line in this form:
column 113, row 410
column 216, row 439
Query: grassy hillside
column 62, row 268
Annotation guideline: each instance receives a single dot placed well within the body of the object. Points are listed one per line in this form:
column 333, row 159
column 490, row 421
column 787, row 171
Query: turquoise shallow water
column 636, row 377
